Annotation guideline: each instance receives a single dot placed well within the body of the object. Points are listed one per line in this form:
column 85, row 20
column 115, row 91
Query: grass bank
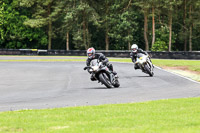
column 187, row 68
column 193, row 65
column 163, row 116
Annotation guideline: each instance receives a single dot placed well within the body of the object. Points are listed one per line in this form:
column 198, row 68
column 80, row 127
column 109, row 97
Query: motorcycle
column 101, row 73
column 144, row 63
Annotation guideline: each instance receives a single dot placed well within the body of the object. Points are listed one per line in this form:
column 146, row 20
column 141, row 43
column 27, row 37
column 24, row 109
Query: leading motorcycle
column 145, row 64
column 101, row 73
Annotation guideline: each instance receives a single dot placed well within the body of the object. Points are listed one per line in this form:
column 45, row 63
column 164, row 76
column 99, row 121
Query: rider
column 101, row 57
column 134, row 51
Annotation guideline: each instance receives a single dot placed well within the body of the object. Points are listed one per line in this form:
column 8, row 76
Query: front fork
column 150, row 64
column 111, row 75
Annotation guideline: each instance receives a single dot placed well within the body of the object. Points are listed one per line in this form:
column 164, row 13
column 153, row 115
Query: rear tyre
column 104, row 80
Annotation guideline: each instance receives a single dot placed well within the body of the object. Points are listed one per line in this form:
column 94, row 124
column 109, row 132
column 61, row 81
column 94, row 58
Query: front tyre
column 105, row 80
column 148, row 70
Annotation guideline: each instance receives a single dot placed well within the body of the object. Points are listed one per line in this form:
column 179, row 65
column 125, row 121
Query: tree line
column 156, row 25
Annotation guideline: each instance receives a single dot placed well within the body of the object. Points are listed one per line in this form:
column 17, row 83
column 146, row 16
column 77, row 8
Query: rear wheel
column 105, row 80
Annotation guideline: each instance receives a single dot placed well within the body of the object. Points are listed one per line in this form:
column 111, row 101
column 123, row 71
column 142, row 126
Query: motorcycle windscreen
column 94, row 62
column 140, row 55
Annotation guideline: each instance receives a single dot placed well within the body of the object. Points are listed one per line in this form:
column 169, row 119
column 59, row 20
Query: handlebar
column 89, row 67
column 86, row 67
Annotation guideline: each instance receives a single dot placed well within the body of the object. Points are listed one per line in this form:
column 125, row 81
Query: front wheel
column 105, row 80
column 148, row 70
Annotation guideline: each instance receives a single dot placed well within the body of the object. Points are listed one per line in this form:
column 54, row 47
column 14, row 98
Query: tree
column 64, row 23
column 184, row 24
column 193, row 20
column 144, row 5
column 154, row 4
column 13, row 33
column 2, row 17
column 108, row 24
column 123, row 24
column 82, row 14
column 44, row 13
column 170, row 7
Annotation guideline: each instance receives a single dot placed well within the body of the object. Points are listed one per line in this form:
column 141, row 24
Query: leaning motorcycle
column 101, row 73
column 143, row 61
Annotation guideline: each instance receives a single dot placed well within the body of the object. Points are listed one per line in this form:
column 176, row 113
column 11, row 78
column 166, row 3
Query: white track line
column 177, row 74
column 168, row 72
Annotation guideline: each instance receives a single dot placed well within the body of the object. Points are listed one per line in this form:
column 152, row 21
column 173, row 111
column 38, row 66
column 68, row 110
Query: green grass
column 163, row 116
column 193, row 65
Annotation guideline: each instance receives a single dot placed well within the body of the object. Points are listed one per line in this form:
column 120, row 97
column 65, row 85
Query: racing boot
column 136, row 66
column 92, row 78
column 115, row 73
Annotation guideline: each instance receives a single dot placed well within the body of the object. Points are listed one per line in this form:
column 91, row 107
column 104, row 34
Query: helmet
column 134, row 48
column 90, row 52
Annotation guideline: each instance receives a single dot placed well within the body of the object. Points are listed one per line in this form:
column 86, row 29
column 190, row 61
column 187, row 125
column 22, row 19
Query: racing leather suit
column 102, row 58
column 133, row 56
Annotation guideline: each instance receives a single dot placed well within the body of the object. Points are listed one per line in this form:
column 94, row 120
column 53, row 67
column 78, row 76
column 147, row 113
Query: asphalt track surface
column 39, row 85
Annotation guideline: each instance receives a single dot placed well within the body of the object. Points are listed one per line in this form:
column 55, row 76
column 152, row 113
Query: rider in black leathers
column 101, row 57
column 134, row 51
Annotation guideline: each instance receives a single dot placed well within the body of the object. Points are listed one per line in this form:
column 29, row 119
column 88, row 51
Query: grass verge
column 193, row 65
column 187, row 68
column 163, row 116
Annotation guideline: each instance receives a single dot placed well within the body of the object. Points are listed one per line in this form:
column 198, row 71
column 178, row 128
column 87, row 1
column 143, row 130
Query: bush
column 162, row 39
column 160, row 46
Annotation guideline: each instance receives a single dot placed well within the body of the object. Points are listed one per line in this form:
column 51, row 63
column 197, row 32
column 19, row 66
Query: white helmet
column 90, row 52
column 134, row 48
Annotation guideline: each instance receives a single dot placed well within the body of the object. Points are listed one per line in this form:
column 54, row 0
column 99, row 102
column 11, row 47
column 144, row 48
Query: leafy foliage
column 162, row 39
column 101, row 24
column 14, row 34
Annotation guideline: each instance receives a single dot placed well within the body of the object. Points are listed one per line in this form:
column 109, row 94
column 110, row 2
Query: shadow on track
column 143, row 76
column 130, row 77
column 103, row 88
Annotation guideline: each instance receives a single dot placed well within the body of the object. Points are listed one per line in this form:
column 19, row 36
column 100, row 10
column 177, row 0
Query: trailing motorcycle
column 101, row 73
column 145, row 64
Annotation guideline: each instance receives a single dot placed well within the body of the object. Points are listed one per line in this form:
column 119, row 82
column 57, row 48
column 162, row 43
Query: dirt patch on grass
column 59, row 127
column 184, row 71
column 183, row 68
column 6, row 129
